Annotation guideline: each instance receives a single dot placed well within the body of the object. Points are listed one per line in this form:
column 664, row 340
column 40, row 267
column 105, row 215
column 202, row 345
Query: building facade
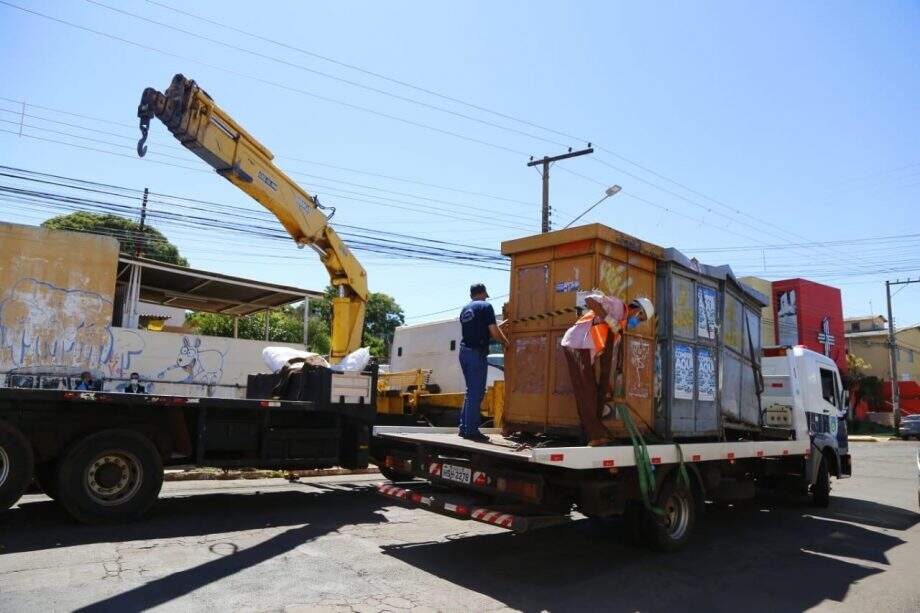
column 767, row 330
column 810, row 314
column 867, row 338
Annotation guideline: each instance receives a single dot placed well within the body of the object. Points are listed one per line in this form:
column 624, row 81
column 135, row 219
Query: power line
column 325, row 74
column 133, row 139
column 646, row 169
column 265, row 81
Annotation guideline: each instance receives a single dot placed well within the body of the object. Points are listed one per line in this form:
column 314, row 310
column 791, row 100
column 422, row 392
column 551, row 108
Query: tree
column 154, row 245
column 285, row 325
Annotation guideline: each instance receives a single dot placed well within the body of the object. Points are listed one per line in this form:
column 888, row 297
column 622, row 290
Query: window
column 828, row 389
column 399, row 352
column 453, row 345
column 910, row 356
column 854, row 327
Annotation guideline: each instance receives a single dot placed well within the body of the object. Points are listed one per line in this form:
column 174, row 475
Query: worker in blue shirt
column 477, row 321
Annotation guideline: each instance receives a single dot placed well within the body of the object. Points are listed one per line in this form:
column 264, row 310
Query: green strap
column 643, row 464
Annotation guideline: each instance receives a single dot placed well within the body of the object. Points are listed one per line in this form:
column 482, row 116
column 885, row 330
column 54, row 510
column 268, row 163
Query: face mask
column 632, row 322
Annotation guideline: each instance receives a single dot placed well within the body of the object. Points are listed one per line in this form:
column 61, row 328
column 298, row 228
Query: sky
column 781, row 138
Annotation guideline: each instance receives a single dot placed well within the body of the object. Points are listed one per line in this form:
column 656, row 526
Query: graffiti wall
column 167, row 363
column 56, row 292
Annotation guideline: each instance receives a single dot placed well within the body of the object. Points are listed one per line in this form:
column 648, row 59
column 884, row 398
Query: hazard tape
column 392, row 491
column 546, row 315
column 493, row 517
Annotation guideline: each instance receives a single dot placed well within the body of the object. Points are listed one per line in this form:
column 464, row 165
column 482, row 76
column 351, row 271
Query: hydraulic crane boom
column 211, row 134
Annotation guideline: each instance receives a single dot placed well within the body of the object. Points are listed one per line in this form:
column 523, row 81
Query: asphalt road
column 335, row 544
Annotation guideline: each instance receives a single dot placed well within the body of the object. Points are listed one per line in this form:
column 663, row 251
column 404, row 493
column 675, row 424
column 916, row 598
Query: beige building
column 767, row 331
column 867, row 338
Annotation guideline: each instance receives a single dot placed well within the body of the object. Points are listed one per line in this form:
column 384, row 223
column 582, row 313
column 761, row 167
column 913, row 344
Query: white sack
column 277, row 357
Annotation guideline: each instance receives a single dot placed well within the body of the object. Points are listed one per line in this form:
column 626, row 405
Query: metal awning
column 200, row 290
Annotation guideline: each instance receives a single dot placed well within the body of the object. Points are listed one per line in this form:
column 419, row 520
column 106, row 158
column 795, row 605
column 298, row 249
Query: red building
column 810, row 314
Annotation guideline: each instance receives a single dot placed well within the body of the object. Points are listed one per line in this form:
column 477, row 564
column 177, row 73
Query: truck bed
column 587, row 458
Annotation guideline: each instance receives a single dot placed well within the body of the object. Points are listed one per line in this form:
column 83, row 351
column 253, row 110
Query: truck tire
column 821, row 489
column 16, row 464
column 671, row 531
column 109, row 477
column 46, row 477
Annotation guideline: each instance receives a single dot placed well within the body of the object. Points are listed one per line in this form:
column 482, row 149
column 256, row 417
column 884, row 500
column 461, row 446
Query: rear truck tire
column 46, row 477
column 821, row 488
column 670, row 532
column 112, row 476
column 17, row 464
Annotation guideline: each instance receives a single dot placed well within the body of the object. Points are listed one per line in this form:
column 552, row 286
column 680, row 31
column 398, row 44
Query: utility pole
column 139, row 243
column 893, row 353
column 545, row 163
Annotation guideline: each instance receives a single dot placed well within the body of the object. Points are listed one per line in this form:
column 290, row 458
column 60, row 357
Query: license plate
column 456, row 473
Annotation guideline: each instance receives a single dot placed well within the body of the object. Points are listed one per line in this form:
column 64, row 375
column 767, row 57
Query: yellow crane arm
column 211, row 134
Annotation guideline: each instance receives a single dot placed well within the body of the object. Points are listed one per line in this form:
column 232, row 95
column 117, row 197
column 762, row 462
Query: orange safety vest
column 599, row 331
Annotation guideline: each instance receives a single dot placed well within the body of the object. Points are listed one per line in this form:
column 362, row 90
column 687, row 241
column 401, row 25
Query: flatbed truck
column 101, row 455
column 660, row 488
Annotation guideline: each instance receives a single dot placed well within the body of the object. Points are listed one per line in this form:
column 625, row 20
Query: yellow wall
column 874, row 350
column 767, row 331
column 56, row 292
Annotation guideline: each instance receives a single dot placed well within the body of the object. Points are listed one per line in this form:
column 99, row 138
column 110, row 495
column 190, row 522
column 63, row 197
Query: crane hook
column 145, row 127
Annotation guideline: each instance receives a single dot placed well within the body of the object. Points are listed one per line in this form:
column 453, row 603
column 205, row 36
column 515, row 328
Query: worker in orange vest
column 597, row 333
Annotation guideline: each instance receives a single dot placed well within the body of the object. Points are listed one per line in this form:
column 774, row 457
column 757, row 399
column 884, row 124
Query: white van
column 435, row 346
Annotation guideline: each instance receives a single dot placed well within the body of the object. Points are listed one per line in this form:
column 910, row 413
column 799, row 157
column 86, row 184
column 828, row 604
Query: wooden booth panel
column 526, row 377
column 530, row 295
column 561, row 413
column 570, row 276
column 641, row 284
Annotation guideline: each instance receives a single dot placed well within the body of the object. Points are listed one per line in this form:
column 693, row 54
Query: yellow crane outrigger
column 210, row 133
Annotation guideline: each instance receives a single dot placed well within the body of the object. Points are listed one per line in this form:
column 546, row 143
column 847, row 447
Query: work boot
column 477, row 436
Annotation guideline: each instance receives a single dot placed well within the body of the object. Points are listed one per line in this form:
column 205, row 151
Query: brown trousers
column 591, row 388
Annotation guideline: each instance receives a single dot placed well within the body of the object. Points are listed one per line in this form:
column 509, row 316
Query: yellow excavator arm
column 211, row 134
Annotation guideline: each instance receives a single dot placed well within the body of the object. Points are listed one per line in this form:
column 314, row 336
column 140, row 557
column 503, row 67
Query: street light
column 613, row 190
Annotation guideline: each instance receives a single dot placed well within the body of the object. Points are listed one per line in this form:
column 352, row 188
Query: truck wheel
column 16, row 464
column 821, row 490
column 109, row 477
column 46, row 477
column 671, row 531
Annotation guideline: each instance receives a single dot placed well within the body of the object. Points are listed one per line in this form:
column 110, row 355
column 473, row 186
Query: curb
column 864, row 438
column 217, row 474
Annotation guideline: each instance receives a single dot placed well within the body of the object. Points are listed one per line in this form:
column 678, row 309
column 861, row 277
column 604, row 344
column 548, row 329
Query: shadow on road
column 312, row 513
column 755, row 557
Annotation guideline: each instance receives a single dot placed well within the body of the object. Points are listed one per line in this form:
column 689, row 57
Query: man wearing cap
column 597, row 333
column 477, row 321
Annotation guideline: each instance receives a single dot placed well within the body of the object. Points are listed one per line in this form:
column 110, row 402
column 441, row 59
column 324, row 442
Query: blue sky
column 727, row 124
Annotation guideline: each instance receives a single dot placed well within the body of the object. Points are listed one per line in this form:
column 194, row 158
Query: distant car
column 910, row 427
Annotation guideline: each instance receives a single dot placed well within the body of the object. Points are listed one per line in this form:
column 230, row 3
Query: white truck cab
column 435, row 346
column 803, row 390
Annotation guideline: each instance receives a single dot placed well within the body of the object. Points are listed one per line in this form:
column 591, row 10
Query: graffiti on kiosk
column 196, row 364
column 42, row 325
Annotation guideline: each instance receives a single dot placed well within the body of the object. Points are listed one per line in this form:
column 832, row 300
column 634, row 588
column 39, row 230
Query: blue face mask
column 632, row 322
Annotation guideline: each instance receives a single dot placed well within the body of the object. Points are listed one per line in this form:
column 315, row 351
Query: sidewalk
column 219, row 474
column 871, row 438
